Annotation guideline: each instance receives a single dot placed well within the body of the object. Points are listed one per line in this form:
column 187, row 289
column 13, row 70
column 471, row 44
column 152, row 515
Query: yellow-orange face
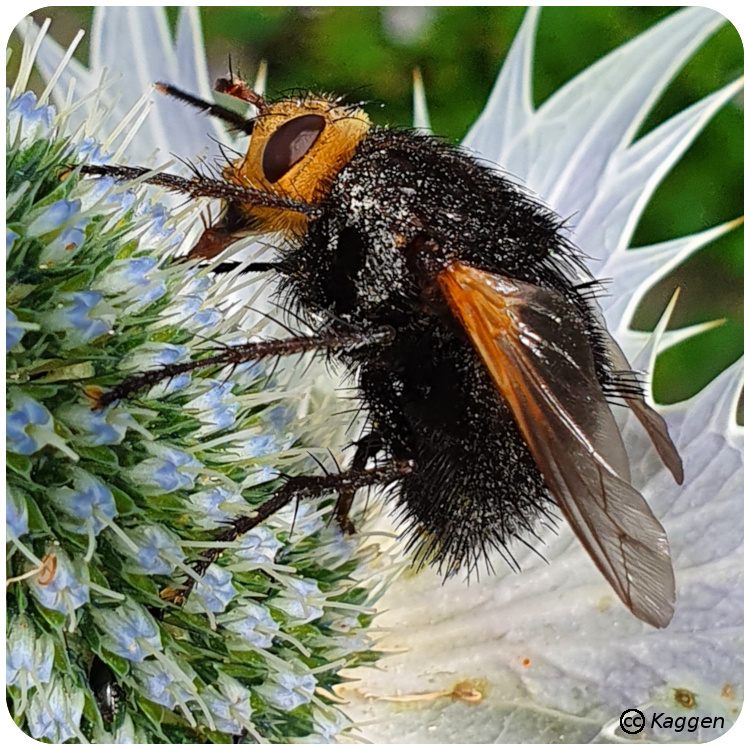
column 297, row 148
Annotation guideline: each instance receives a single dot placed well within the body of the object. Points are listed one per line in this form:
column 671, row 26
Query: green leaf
column 56, row 620
column 100, row 454
column 152, row 711
column 123, row 502
column 56, row 370
column 18, row 463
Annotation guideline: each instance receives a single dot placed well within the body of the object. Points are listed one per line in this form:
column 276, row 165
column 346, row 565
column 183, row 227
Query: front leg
column 232, row 265
column 200, row 186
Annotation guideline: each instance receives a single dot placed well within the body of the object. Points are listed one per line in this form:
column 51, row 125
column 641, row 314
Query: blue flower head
column 129, row 631
column 206, row 505
column 153, row 354
column 213, row 592
column 168, row 471
column 16, row 514
column 57, row 719
column 64, row 245
column 191, row 307
column 55, row 216
column 13, row 333
column 161, row 686
column 158, row 551
column 167, row 387
column 91, row 427
column 27, row 425
column 216, row 408
column 137, row 278
column 26, row 120
column 287, row 690
column 301, row 600
column 208, row 317
column 304, row 519
column 252, row 624
column 157, row 230
column 260, row 445
column 258, row 546
column 28, row 656
column 57, row 586
column 89, row 500
column 229, row 705
column 89, row 150
column 107, row 195
column 84, row 316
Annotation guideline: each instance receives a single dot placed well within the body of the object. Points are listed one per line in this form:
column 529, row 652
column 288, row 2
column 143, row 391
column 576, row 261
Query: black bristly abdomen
column 403, row 206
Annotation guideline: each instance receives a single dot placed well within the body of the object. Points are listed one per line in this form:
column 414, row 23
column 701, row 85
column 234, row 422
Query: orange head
column 297, row 148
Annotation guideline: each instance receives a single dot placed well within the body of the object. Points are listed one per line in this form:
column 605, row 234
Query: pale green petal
column 190, row 52
column 640, row 269
column 509, row 110
column 149, row 56
column 563, row 152
column 421, row 118
column 47, row 60
column 606, row 225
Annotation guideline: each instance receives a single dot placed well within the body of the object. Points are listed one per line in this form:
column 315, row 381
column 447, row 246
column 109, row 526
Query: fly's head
column 298, row 146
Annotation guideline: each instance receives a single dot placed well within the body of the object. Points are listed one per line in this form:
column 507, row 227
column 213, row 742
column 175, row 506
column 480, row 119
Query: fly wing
column 651, row 420
column 542, row 365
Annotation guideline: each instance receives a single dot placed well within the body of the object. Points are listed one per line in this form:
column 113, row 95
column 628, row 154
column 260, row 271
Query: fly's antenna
column 236, row 87
column 235, row 119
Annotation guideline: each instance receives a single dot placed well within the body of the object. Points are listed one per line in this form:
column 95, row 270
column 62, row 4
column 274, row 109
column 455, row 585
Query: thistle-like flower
column 108, row 508
column 547, row 655
column 105, row 509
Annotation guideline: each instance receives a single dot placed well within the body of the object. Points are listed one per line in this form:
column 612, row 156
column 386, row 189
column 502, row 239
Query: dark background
column 372, row 51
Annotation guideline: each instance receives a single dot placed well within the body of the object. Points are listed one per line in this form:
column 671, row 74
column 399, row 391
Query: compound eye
column 289, row 144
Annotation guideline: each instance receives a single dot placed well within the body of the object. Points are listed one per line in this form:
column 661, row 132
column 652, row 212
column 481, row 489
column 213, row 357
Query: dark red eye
column 289, row 144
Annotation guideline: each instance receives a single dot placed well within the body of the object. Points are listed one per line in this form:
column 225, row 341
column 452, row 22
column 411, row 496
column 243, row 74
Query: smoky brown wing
column 541, row 362
column 652, row 421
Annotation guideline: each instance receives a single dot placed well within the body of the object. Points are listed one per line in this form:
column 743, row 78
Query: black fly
column 485, row 369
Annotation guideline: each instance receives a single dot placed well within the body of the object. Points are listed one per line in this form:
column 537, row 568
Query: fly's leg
column 327, row 341
column 231, row 265
column 200, row 186
column 368, row 447
column 216, row 238
column 293, row 490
